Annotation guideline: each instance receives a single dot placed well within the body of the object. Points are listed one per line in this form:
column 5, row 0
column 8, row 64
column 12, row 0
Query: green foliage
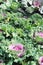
column 30, row 9
column 15, row 6
column 16, row 27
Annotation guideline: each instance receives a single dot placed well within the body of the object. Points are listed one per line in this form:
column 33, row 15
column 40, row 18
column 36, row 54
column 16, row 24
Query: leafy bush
column 21, row 35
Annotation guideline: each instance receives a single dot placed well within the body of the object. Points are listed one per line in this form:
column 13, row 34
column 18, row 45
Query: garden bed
column 21, row 32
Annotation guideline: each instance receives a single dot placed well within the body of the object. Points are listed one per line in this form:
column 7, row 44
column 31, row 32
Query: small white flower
column 30, row 2
column 16, row 0
column 24, row 2
column 8, row 3
column 3, row 6
column 14, row 34
column 41, row 10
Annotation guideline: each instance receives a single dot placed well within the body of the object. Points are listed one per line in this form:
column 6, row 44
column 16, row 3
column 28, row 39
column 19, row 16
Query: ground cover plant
column 21, row 32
